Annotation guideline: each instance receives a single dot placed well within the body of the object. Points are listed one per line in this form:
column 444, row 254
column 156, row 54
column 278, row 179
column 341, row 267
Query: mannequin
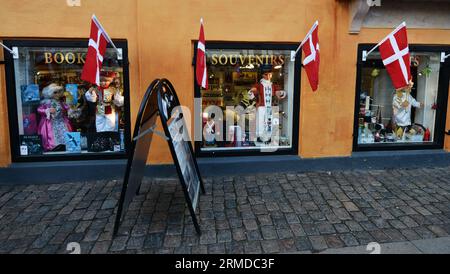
column 54, row 121
column 107, row 98
column 263, row 92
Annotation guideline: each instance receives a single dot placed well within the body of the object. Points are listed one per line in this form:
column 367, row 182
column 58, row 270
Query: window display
column 249, row 102
column 58, row 113
column 405, row 116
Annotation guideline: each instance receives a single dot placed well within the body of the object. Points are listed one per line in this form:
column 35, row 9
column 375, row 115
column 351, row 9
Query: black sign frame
column 153, row 105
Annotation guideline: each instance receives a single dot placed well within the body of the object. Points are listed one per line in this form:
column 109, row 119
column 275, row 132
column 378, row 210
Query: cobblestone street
column 276, row 213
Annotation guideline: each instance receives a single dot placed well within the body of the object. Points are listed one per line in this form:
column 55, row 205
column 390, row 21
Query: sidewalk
column 429, row 246
column 262, row 213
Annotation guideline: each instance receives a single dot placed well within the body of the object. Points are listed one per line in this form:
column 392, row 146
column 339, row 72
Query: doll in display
column 263, row 93
column 54, row 122
column 108, row 99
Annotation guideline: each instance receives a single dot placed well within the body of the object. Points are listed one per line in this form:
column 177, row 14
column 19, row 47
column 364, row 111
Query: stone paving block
column 318, row 243
column 136, row 242
column 119, row 243
column 380, row 236
column 302, row 243
column 410, row 234
column 154, row 240
column 349, row 206
column 333, row 241
column 438, row 230
column 394, row 235
column 250, row 224
column 270, row 246
column 363, row 237
column 325, row 228
column 252, row 247
column 101, row 247
column 234, row 248
column 224, row 236
column 349, row 239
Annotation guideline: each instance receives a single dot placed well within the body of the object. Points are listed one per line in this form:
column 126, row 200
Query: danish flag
column 312, row 57
column 94, row 57
column 394, row 51
column 200, row 64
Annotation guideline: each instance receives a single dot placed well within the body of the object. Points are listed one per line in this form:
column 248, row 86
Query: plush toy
column 107, row 97
column 53, row 123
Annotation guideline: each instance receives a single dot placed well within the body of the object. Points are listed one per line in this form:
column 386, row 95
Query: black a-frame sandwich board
column 161, row 100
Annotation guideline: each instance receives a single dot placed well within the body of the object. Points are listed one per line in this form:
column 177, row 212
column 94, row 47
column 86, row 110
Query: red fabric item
column 312, row 58
column 395, row 54
column 200, row 64
column 94, row 56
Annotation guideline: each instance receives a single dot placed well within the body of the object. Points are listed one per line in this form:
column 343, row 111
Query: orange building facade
column 160, row 37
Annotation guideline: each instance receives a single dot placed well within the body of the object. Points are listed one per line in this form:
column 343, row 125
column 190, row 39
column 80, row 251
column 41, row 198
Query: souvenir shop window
column 249, row 103
column 58, row 114
column 410, row 117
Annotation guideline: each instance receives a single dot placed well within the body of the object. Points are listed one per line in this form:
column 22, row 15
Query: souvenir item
column 29, row 124
column 108, row 99
column 30, row 93
column 73, row 141
column 263, row 92
column 53, row 123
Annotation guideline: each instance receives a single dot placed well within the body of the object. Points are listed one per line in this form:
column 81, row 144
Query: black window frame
column 12, row 102
column 441, row 111
column 296, row 103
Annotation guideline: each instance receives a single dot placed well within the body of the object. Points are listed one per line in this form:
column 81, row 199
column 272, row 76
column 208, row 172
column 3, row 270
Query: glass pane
column 398, row 117
column 248, row 104
column 58, row 113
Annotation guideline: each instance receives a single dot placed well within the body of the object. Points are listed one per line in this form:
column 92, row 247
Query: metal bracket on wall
column 293, row 55
column 14, row 51
column 364, row 55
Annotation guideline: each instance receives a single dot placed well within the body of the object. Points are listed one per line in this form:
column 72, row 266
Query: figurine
column 54, row 122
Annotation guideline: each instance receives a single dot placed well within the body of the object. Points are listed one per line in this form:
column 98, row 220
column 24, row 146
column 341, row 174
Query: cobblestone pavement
column 276, row 213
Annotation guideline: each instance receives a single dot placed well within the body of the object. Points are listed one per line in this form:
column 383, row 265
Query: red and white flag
column 310, row 47
column 394, row 51
column 200, row 64
column 94, row 58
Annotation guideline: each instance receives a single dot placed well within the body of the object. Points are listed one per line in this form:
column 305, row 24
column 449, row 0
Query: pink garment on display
column 47, row 124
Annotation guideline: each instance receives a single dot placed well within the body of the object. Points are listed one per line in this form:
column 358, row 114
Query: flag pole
column 8, row 49
column 97, row 22
column 306, row 37
column 403, row 24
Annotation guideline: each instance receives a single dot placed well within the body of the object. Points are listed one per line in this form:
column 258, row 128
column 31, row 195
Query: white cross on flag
column 200, row 64
column 395, row 54
column 94, row 57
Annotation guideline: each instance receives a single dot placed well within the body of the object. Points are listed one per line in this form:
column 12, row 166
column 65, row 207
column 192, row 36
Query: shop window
column 55, row 114
column 397, row 119
column 251, row 104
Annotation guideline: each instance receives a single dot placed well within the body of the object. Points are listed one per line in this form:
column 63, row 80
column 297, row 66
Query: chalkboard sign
column 161, row 100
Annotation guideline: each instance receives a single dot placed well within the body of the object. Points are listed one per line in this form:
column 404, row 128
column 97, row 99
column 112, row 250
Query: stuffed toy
column 54, row 122
column 108, row 99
